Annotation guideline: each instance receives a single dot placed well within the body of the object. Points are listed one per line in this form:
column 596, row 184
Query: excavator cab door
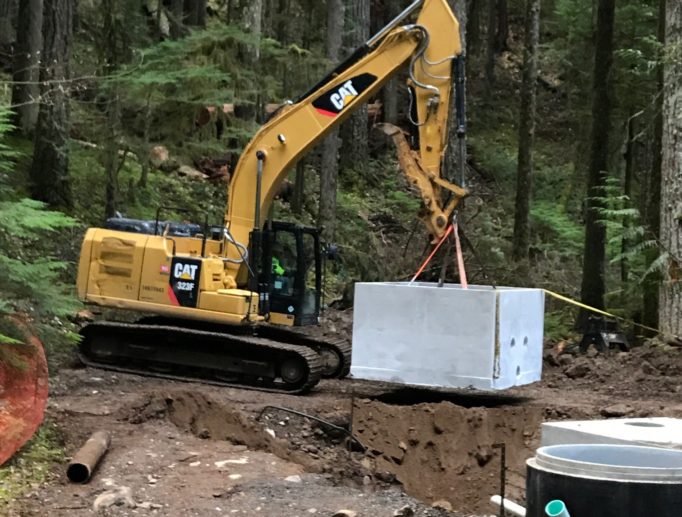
column 291, row 274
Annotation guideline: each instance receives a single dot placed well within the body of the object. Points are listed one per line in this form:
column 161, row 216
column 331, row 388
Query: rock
column 616, row 410
column 158, row 156
column 270, row 432
column 483, row 456
column 565, row 359
column 386, row 477
column 84, row 316
column 190, row 172
column 293, row 479
column 367, row 463
column 120, row 496
column 345, row 513
column 550, row 358
column 311, row 449
column 366, row 480
column 648, row 369
column 442, row 505
column 577, row 371
column 150, row 506
column 405, row 511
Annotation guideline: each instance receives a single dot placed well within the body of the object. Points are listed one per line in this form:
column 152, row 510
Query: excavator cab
column 290, row 273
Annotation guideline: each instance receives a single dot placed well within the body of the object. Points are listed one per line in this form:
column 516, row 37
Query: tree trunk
column 252, row 21
column 176, row 19
column 629, row 160
column 190, row 9
column 502, row 33
column 670, row 312
column 26, row 65
column 283, row 20
column 50, row 167
column 354, row 132
column 195, row 13
column 201, row 13
column 7, row 32
column 110, row 158
column 650, row 289
column 299, row 188
column 593, row 282
column 146, row 144
column 453, row 152
column 474, row 28
column 390, row 94
column 331, row 144
column 526, row 132
column 490, row 45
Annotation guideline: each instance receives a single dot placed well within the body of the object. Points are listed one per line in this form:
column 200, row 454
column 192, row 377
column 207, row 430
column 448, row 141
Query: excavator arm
column 429, row 46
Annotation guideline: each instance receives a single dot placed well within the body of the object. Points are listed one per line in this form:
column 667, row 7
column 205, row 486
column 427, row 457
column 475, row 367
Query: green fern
column 31, row 280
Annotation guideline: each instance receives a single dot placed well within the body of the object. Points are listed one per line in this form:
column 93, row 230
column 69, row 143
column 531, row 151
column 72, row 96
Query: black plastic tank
column 606, row 481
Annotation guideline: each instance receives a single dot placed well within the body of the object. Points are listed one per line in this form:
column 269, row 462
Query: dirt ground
column 185, row 449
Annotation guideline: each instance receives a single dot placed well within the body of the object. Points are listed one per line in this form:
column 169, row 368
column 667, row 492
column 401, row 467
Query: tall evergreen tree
column 526, row 131
column 650, row 291
column 354, row 132
column 26, row 65
column 670, row 312
column 50, row 167
column 330, row 146
column 594, row 253
column 7, row 32
column 453, row 152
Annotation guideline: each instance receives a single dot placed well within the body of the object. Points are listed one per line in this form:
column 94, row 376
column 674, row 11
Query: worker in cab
column 277, row 267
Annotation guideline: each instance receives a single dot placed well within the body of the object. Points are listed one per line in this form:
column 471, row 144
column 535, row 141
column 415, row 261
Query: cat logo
column 344, row 95
column 335, row 101
column 184, row 282
column 185, row 271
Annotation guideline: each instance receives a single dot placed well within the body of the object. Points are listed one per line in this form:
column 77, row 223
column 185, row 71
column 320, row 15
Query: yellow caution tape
column 608, row 314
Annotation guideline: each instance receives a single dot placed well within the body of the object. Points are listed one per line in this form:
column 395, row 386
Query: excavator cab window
column 292, row 271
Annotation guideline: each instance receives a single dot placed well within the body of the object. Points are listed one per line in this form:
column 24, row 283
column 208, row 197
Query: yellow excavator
column 222, row 300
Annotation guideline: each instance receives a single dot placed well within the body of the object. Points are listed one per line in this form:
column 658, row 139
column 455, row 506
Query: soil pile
column 643, row 372
column 448, row 452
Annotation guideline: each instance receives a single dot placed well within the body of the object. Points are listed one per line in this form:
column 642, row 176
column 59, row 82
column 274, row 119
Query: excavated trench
column 446, row 452
column 441, row 447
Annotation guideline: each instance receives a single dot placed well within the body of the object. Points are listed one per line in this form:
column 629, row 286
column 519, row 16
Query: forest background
column 111, row 107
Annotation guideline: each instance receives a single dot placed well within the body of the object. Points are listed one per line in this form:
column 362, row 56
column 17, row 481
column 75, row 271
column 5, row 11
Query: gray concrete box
column 421, row 334
column 650, row 432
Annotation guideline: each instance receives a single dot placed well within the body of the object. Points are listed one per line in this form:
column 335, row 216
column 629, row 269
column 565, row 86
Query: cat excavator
column 220, row 303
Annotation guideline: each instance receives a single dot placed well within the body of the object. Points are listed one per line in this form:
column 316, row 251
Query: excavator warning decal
column 333, row 102
column 184, row 282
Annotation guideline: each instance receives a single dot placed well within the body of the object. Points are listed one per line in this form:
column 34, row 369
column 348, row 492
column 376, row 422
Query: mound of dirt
column 448, row 452
column 643, row 372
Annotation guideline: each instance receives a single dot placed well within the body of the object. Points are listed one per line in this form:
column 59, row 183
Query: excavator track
column 335, row 353
column 187, row 354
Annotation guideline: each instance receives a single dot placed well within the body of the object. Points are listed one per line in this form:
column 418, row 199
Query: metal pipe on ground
column 84, row 463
